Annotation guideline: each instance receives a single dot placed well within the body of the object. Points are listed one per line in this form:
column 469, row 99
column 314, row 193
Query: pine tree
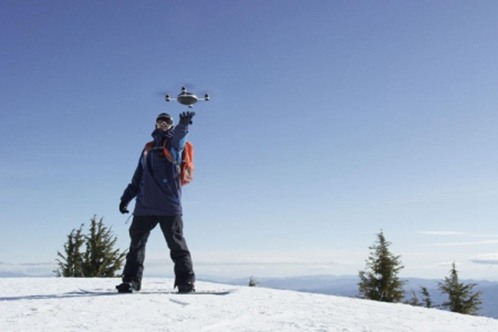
column 252, row 282
column 380, row 282
column 414, row 301
column 71, row 265
column 99, row 259
column 461, row 297
column 426, row 300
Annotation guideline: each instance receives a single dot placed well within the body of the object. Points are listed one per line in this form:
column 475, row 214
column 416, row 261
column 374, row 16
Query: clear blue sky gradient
column 329, row 121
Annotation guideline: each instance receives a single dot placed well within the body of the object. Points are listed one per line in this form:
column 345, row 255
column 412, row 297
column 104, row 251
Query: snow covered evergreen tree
column 380, row 281
column 99, row 259
column 461, row 297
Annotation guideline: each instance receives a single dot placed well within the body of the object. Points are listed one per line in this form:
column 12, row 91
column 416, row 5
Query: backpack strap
column 168, row 154
column 150, row 145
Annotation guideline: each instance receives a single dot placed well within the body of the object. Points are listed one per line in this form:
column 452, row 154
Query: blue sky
column 329, row 121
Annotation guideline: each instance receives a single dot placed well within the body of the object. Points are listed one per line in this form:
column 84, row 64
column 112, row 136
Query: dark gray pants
column 172, row 228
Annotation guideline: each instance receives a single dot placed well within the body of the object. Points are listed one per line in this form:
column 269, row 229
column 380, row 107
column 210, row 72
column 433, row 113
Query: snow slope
column 57, row 304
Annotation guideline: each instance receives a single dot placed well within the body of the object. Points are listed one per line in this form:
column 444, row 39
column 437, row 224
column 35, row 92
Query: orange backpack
column 186, row 164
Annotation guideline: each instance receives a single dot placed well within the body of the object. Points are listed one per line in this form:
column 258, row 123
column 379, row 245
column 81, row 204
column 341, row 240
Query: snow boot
column 186, row 288
column 126, row 287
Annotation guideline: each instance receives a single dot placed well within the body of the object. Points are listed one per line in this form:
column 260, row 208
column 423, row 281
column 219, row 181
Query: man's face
column 164, row 124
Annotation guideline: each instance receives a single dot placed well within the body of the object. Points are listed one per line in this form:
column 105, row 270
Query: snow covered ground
column 58, row 304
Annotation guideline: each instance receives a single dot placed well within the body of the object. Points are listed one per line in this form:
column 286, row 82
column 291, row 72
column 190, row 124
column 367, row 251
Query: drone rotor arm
column 169, row 98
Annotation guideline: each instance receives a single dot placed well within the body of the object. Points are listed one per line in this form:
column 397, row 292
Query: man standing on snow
column 156, row 186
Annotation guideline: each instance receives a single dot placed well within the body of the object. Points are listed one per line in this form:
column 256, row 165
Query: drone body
column 187, row 98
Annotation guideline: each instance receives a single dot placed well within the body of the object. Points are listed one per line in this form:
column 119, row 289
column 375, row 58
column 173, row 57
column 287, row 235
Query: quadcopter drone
column 187, row 98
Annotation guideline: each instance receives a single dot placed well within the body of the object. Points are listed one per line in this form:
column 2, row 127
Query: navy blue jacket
column 156, row 181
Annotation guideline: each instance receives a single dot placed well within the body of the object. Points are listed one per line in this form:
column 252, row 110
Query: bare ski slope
column 58, row 304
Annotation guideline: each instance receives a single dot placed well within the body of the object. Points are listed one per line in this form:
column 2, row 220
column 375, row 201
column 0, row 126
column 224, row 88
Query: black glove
column 186, row 117
column 123, row 207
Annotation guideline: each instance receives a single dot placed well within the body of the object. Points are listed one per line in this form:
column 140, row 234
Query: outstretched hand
column 186, row 117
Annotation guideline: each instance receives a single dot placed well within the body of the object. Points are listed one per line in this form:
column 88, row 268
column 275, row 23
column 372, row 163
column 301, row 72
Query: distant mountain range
column 12, row 275
column 23, row 275
column 348, row 286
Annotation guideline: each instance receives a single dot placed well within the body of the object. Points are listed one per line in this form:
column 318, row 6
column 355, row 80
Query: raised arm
column 180, row 131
